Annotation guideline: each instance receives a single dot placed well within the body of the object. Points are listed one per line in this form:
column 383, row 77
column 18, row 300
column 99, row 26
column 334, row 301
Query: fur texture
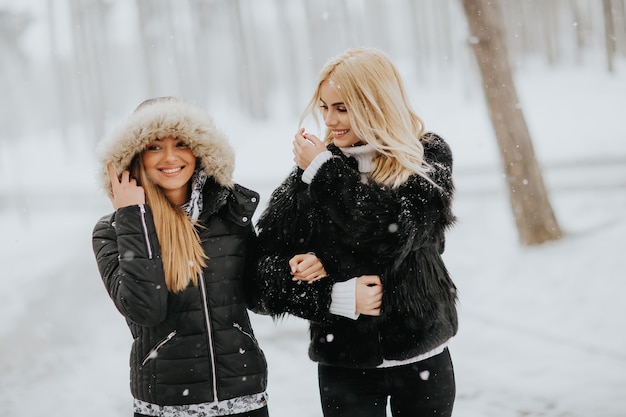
column 164, row 118
column 360, row 229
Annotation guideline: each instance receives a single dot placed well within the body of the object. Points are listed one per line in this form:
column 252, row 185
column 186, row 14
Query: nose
column 170, row 152
column 329, row 118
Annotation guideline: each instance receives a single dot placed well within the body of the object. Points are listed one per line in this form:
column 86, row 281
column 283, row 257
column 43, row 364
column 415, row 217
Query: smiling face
column 335, row 114
column 169, row 163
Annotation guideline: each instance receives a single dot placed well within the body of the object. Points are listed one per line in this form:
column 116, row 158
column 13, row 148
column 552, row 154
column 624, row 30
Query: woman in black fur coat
column 373, row 202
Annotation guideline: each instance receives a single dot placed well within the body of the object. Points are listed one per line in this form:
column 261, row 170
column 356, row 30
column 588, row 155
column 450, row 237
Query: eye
column 342, row 110
column 323, row 107
column 182, row 145
column 153, row 147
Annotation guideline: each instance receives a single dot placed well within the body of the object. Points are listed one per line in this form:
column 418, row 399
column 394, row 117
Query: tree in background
column 12, row 28
column 535, row 219
column 609, row 34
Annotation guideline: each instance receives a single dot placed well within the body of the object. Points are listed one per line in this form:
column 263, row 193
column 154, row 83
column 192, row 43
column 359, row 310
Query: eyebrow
column 339, row 103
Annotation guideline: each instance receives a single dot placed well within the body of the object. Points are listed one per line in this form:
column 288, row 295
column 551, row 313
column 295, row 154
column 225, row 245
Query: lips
column 340, row 132
column 171, row 170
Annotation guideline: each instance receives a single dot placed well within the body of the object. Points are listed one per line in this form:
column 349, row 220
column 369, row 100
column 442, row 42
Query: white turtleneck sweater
column 343, row 296
column 363, row 154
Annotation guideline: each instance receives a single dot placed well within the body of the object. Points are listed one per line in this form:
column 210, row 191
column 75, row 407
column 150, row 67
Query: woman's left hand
column 305, row 148
column 307, row 267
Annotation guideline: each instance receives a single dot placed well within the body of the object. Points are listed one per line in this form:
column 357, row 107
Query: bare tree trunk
column 533, row 213
column 419, row 38
column 60, row 102
column 97, row 15
column 86, row 51
column 317, row 39
column 201, row 24
column 580, row 40
column 619, row 17
column 145, row 15
column 609, row 34
column 250, row 88
column 377, row 13
column 551, row 25
column 291, row 63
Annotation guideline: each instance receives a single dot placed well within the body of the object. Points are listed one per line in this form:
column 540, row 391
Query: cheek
column 190, row 158
column 147, row 160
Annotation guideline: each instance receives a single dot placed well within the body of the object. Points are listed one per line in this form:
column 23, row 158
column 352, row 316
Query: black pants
column 261, row 412
column 425, row 388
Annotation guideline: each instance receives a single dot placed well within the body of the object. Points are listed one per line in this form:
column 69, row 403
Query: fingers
column 369, row 295
column 315, row 141
column 310, row 274
column 117, row 180
column 306, row 267
column 370, row 280
column 306, row 147
column 125, row 191
column 125, row 177
column 112, row 173
column 293, row 262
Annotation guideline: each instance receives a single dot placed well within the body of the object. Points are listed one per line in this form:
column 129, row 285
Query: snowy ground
column 542, row 329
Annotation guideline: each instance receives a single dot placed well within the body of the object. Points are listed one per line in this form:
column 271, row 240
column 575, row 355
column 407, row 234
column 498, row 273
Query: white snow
column 542, row 329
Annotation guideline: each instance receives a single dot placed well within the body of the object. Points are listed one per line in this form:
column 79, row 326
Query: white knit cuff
column 316, row 163
column 344, row 299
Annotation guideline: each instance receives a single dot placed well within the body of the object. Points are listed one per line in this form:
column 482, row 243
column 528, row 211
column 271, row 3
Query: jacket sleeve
column 393, row 222
column 284, row 231
column 128, row 255
column 281, row 295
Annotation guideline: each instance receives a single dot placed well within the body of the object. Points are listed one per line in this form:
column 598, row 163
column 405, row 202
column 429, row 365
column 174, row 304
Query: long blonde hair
column 379, row 111
column 181, row 250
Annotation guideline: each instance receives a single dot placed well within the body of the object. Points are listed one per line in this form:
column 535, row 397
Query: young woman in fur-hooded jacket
column 175, row 257
column 372, row 201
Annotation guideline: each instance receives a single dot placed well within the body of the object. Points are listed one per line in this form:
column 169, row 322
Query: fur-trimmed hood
column 169, row 117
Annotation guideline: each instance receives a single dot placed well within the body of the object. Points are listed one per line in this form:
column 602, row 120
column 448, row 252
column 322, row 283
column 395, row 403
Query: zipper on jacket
column 238, row 327
column 142, row 209
column 155, row 350
column 205, row 305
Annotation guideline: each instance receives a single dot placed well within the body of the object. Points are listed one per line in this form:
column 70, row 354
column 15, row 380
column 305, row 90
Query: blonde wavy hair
column 379, row 112
column 181, row 250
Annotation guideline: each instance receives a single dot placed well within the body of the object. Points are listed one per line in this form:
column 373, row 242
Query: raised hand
column 307, row 267
column 126, row 192
column 305, row 148
column 369, row 295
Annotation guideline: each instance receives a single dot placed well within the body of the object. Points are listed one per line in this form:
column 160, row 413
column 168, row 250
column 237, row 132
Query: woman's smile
column 171, row 171
column 170, row 164
column 339, row 133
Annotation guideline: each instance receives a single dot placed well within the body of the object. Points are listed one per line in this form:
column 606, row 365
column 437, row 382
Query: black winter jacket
column 195, row 346
column 358, row 228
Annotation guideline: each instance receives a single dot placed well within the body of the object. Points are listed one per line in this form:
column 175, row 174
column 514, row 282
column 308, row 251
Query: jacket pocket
column 154, row 352
column 259, row 352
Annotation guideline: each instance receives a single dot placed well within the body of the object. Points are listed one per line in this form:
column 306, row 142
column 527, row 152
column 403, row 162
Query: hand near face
column 369, row 295
column 305, row 148
column 307, row 267
column 126, row 192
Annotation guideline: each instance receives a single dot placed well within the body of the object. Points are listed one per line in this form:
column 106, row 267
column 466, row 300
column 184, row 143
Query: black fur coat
column 359, row 228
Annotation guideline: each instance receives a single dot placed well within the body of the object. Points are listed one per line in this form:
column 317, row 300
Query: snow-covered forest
column 541, row 327
column 87, row 62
